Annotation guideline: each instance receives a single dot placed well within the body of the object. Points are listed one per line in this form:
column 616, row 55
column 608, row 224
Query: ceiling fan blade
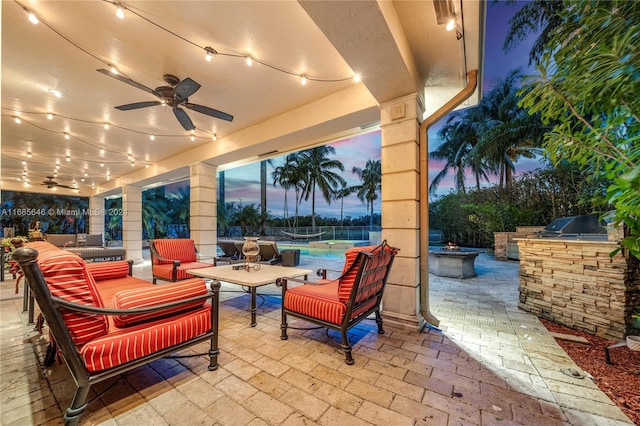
column 137, row 105
column 208, row 111
column 127, row 81
column 185, row 88
column 183, row 118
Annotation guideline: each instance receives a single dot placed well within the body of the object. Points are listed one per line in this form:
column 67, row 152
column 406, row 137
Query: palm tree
column 341, row 194
column 507, row 131
column 290, row 175
column 181, row 206
column 154, row 212
column 370, row 178
column 318, row 167
column 536, row 15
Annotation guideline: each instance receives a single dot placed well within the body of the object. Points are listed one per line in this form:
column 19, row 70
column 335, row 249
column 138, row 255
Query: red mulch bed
column 620, row 380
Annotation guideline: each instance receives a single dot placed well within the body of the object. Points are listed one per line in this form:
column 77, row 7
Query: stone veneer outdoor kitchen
column 575, row 282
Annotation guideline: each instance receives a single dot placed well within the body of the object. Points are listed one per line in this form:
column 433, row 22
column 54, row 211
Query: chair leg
column 78, row 405
column 346, row 347
column 154, row 280
column 283, row 326
column 379, row 322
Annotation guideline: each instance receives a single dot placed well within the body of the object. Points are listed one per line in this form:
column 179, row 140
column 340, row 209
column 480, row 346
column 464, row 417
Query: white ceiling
column 396, row 47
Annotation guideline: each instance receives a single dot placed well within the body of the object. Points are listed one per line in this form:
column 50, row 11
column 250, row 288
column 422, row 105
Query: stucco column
column 203, row 213
column 96, row 220
column 132, row 222
column 400, row 163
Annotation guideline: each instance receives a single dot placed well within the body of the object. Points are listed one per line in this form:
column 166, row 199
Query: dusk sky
column 242, row 184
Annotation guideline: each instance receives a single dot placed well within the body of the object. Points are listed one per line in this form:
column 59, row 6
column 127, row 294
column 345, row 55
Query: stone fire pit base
column 453, row 263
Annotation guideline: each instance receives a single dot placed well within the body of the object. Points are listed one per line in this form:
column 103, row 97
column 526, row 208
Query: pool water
column 313, row 252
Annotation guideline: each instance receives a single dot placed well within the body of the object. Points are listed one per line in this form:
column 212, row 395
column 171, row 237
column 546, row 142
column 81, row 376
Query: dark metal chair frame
column 50, row 307
column 364, row 262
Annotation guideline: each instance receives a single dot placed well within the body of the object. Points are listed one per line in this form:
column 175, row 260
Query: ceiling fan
column 175, row 95
column 50, row 183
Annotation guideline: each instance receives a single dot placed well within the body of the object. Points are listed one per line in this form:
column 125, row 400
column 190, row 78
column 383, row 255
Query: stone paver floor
column 487, row 364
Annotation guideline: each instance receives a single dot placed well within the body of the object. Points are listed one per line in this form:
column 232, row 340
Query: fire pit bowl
column 453, row 263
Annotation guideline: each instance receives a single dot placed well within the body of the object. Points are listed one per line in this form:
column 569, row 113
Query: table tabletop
column 267, row 274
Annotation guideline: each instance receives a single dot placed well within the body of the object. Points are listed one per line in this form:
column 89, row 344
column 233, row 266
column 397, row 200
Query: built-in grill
column 574, row 226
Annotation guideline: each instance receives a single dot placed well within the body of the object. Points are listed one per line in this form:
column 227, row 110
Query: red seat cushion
column 317, row 301
column 157, row 295
column 122, row 345
column 182, row 249
column 165, row 271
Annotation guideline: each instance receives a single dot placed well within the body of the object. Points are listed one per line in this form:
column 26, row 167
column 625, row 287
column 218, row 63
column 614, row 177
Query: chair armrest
column 323, row 272
column 134, row 311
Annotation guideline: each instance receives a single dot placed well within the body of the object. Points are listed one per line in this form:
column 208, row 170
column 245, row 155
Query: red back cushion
column 347, row 281
column 68, row 278
column 108, row 270
column 182, row 249
column 146, row 297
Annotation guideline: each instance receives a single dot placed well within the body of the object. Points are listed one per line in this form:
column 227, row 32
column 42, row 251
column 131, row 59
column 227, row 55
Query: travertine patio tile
column 305, row 403
column 170, row 400
column 328, row 375
column 267, row 408
column 580, row 417
column 604, row 409
column 592, row 393
column 527, row 417
column 370, row 393
column 302, row 380
column 420, row 349
column 200, row 392
column 236, row 389
column 453, row 406
column 371, row 354
column 226, row 412
column 297, row 419
column 400, row 387
column 269, row 384
column 386, row 369
column 298, row 362
column 426, row 382
column 366, row 373
column 407, row 365
column 334, row 417
column 382, row 416
column 419, row 412
column 145, row 414
column 459, row 382
column 437, row 364
column 242, row 369
column 338, row 398
column 271, row 366
column 497, row 394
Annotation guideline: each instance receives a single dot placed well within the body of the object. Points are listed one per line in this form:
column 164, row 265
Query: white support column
column 203, row 214
column 132, row 222
column 400, row 163
column 96, row 219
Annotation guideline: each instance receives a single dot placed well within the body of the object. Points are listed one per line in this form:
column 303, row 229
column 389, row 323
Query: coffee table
column 267, row 274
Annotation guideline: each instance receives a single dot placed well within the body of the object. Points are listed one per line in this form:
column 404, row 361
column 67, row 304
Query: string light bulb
column 451, row 24
column 193, row 138
column 152, row 137
column 106, row 126
column 119, row 11
column 28, row 154
column 66, row 136
column 49, row 116
column 357, row 78
column 113, row 69
column 32, row 17
column 210, row 53
column 17, row 120
column 215, row 137
column 303, row 80
column 249, row 60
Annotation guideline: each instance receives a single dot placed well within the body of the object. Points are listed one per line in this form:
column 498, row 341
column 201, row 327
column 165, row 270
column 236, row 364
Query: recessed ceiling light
column 56, row 93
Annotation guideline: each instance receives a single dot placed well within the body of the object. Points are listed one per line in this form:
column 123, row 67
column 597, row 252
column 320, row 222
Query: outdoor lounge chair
column 171, row 258
column 230, row 251
column 269, row 252
column 343, row 302
column 105, row 322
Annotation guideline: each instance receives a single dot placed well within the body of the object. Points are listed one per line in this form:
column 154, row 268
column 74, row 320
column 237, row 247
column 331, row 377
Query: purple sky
column 242, row 185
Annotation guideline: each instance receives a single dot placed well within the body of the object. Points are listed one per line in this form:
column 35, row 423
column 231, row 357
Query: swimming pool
column 305, row 250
